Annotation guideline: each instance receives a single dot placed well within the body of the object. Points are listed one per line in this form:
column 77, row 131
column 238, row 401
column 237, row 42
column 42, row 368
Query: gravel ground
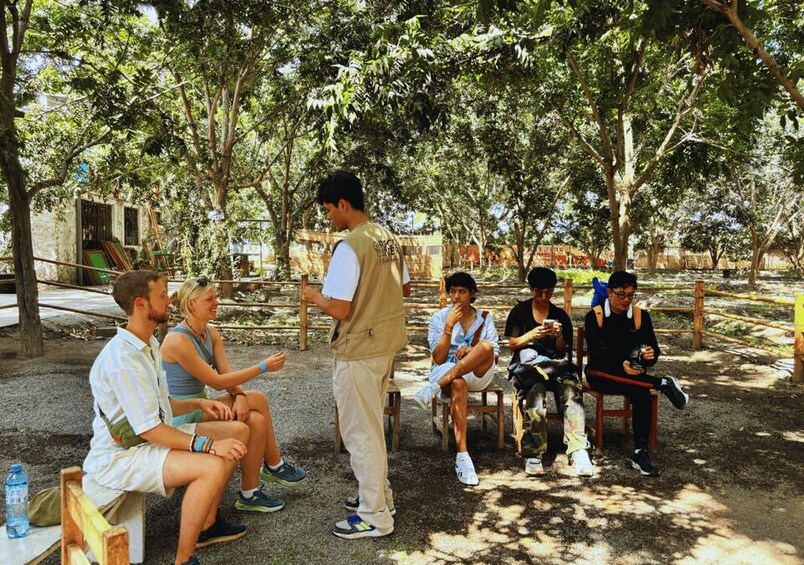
column 730, row 490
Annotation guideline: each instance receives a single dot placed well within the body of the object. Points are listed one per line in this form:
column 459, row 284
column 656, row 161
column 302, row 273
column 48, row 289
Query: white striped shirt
column 127, row 379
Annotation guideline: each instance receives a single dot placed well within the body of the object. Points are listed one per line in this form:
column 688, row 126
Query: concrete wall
column 55, row 235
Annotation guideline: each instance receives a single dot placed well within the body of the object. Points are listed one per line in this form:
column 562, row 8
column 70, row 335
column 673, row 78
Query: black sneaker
column 220, row 532
column 641, row 461
column 355, row 527
column 351, row 503
column 192, row 561
column 672, row 390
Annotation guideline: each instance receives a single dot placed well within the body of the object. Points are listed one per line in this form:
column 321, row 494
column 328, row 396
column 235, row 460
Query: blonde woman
column 193, row 358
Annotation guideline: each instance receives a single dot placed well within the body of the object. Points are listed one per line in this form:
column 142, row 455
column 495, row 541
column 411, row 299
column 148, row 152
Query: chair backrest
column 82, row 523
column 580, row 347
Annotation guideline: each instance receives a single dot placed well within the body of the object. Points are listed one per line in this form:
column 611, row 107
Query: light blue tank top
column 180, row 382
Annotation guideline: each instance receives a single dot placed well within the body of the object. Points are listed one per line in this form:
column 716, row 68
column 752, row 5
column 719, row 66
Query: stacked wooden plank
column 97, row 259
column 117, row 255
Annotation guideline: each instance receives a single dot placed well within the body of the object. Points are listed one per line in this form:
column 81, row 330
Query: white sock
column 663, row 383
column 248, row 493
column 462, row 456
column 277, row 466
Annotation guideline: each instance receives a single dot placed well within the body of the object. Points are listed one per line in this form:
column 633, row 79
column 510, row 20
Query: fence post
column 303, row 313
column 568, row 297
column 697, row 317
column 442, row 292
column 798, row 347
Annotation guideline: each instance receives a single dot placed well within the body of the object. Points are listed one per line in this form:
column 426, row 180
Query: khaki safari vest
column 375, row 325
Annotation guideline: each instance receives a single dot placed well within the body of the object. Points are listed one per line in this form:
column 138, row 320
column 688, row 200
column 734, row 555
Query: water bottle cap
column 16, row 467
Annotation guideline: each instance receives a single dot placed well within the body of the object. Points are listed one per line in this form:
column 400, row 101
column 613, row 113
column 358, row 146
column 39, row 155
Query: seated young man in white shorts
column 149, row 454
column 464, row 346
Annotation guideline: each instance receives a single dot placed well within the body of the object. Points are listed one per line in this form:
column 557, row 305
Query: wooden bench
column 491, row 414
column 602, row 412
column 82, row 523
column 392, row 410
column 118, row 507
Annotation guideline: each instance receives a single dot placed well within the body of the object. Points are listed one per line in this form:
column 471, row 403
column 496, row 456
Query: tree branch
column 605, row 138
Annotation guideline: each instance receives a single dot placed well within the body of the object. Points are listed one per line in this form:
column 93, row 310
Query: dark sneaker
column 220, row 532
column 259, row 502
column 641, row 461
column 287, row 474
column 192, row 561
column 672, row 390
column 355, row 527
column 351, row 503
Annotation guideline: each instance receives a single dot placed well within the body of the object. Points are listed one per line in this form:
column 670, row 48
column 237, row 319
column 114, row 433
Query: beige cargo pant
column 360, row 387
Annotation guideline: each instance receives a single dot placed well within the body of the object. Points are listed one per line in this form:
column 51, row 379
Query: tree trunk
column 282, row 252
column 220, row 250
column 31, row 344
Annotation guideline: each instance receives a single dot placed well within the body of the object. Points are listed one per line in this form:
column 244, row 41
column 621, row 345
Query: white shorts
column 473, row 381
column 140, row 468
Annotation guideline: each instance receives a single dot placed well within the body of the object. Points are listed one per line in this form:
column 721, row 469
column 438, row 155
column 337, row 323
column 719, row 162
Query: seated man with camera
column 622, row 346
column 540, row 335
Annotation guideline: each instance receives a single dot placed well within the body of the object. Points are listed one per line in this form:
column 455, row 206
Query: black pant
column 637, row 390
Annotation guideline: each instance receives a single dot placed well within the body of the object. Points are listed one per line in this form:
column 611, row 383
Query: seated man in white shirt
column 464, row 346
column 134, row 445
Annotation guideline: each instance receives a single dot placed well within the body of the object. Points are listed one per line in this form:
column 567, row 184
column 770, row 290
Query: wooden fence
column 697, row 309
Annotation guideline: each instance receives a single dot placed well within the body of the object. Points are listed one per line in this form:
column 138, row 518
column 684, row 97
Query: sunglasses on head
column 202, row 281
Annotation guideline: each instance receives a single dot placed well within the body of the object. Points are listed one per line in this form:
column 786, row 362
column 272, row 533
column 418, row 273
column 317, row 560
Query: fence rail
column 698, row 311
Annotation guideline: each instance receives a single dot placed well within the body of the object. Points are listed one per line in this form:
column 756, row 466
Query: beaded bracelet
column 199, row 443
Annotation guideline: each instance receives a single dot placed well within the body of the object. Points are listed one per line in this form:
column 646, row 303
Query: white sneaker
column 583, row 467
column 425, row 396
column 465, row 470
column 533, row 466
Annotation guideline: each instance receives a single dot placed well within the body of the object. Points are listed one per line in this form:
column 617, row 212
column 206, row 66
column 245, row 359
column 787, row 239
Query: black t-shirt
column 520, row 321
column 615, row 342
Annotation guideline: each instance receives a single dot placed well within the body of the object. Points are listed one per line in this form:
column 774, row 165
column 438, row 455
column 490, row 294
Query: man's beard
column 154, row 316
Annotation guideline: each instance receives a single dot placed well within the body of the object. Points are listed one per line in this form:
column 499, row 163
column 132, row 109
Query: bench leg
column 130, row 514
column 626, row 419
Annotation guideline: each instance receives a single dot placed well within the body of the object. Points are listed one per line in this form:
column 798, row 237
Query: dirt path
column 730, row 491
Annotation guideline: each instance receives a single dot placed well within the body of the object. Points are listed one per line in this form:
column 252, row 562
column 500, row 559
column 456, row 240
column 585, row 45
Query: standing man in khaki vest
column 363, row 293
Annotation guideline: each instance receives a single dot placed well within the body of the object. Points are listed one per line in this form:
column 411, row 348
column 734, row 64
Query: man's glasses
column 624, row 295
column 543, row 292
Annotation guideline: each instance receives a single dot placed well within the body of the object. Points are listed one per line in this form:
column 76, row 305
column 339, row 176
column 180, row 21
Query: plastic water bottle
column 17, row 525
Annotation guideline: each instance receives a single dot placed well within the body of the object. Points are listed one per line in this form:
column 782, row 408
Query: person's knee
column 459, row 389
column 256, row 423
column 238, row 430
column 257, row 400
column 486, row 347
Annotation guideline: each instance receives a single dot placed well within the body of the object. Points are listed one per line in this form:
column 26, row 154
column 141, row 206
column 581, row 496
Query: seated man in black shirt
column 622, row 346
column 540, row 335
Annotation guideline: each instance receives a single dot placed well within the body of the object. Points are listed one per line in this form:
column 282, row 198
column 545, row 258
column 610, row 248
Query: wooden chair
column 82, row 523
column 601, row 412
column 491, row 414
column 392, row 410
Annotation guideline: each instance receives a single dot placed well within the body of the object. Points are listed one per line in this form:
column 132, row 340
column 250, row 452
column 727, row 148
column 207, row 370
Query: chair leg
column 445, row 427
column 599, row 424
column 500, row 420
column 434, row 411
column 485, row 402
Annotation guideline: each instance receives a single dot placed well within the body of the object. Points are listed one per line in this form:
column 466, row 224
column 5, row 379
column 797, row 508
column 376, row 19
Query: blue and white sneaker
column 287, row 474
column 355, row 527
column 259, row 502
